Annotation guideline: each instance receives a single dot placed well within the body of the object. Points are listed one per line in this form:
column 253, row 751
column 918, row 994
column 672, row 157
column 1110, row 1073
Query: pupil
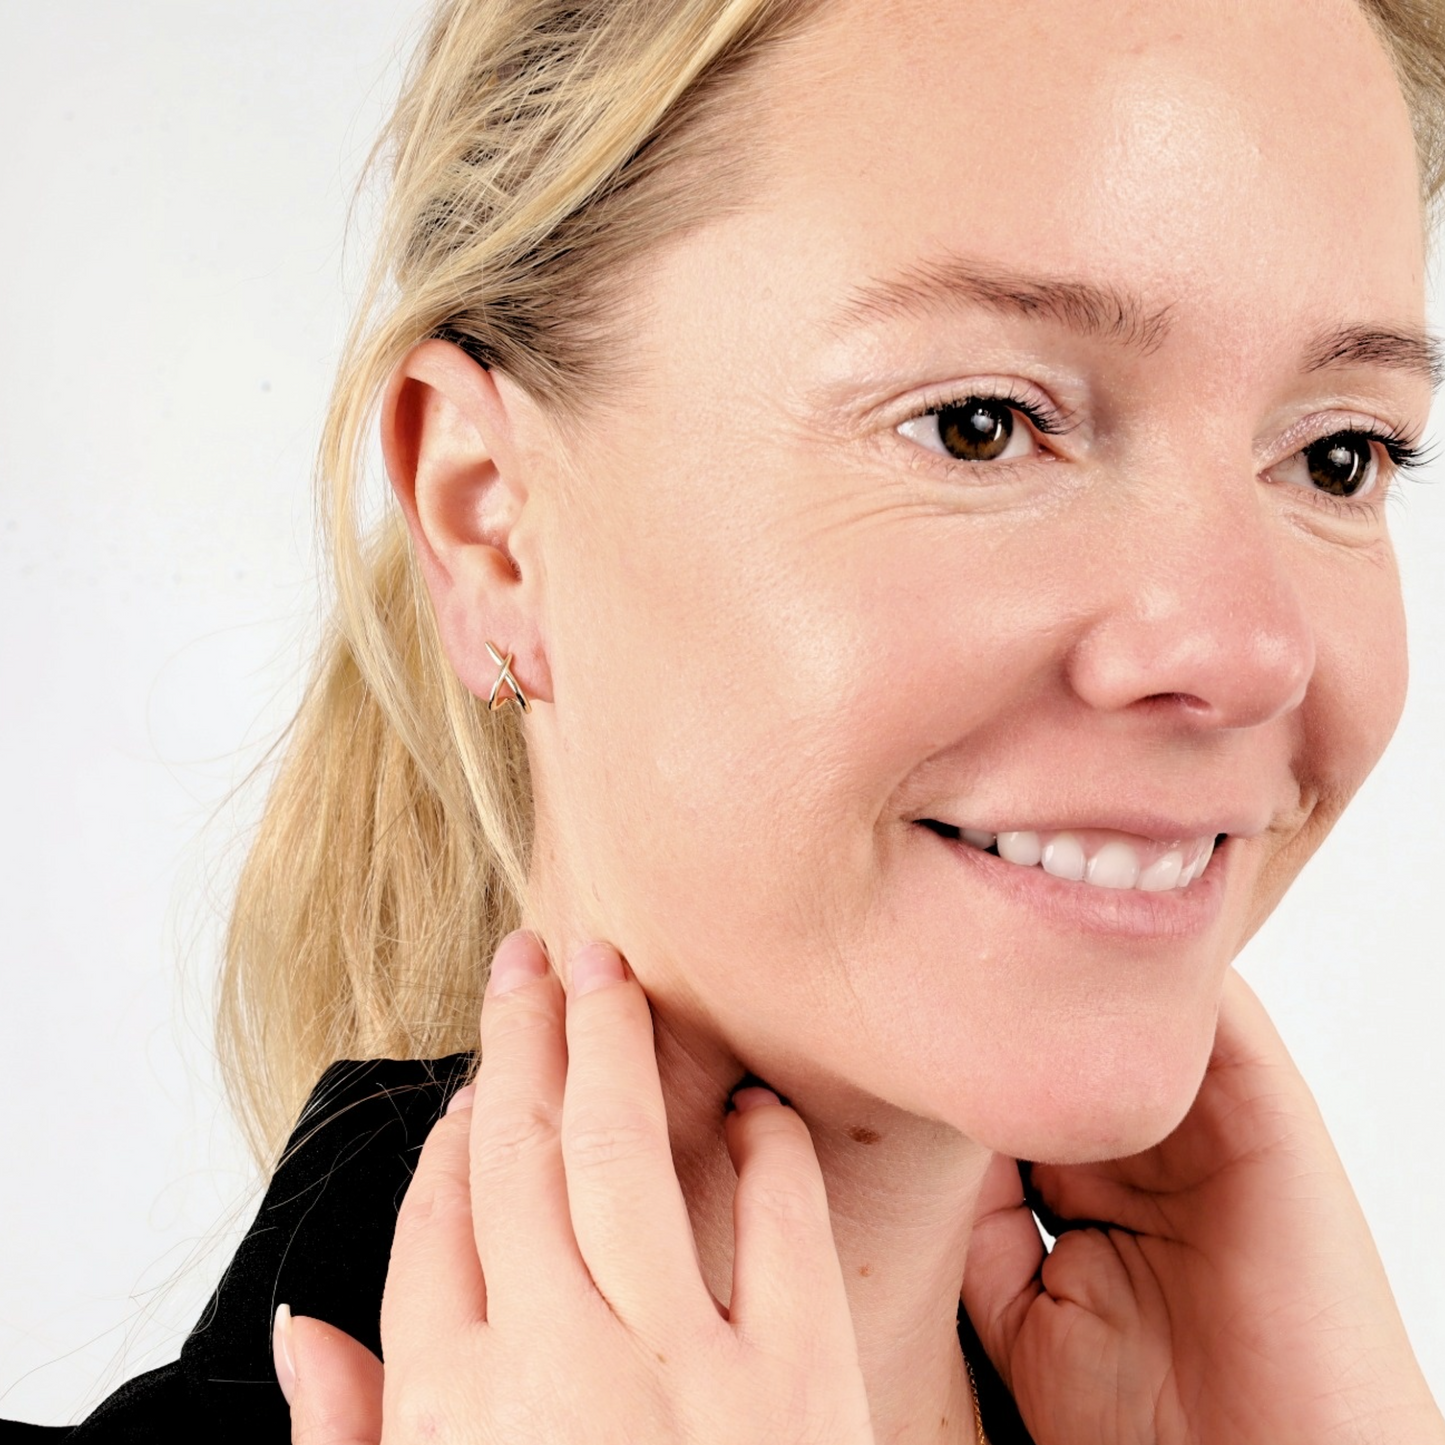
column 1339, row 464
column 976, row 431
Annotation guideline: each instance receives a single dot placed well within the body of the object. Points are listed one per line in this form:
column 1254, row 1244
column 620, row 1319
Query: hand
column 1221, row 1287
column 544, row 1283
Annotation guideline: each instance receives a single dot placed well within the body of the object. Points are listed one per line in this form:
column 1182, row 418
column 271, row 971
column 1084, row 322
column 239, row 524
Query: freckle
column 662, row 1359
column 865, row 1269
column 861, row 1134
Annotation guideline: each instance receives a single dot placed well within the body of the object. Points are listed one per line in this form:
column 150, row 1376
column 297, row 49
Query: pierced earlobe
column 496, row 698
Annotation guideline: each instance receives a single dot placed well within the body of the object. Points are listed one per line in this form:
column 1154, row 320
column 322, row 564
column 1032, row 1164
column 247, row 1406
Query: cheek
column 754, row 684
column 1363, row 670
column 1354, row 704
column 757, row 716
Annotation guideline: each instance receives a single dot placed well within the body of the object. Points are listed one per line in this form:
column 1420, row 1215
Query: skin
column 765, row 632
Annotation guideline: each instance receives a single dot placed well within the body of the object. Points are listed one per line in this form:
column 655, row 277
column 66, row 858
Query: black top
column 320, row 1243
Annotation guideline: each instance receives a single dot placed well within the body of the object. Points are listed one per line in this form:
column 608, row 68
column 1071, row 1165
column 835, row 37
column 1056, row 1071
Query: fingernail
column 595, row 966
column 462, row 1099
column 519, row 959
column 753, row 1098
column 281, row 1352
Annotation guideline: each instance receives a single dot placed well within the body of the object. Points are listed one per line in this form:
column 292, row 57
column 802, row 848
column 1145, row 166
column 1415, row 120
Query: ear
column 450, row 436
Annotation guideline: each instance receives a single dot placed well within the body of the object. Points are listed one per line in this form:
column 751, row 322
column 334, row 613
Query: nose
column 1202, row 612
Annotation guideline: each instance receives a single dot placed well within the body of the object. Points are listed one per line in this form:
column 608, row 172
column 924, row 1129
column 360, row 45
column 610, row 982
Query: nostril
column 1187, row 701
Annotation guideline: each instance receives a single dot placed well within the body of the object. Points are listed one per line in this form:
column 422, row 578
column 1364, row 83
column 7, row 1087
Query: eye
column 1343, row 464
column 978, row 429
column 1346, row 464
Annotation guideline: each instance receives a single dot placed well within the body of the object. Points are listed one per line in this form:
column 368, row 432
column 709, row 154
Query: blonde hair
column 537, row 150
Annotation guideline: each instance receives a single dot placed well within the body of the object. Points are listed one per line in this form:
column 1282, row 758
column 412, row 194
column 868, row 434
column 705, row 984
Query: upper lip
column 1240, row 823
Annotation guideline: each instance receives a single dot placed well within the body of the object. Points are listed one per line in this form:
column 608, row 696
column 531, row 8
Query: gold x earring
column 497, row 699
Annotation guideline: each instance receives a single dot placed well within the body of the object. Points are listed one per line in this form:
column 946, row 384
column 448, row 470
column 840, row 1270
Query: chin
column 1107, row 1104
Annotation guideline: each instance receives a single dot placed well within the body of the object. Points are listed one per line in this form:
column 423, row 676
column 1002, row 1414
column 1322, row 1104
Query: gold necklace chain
column 977, row 1413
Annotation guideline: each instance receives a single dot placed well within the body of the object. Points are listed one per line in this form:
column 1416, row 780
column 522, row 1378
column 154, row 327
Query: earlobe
column 447, row 433
column 506, row 689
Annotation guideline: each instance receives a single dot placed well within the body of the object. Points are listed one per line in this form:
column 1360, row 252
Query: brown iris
column 1339, row 464
column 976, row 430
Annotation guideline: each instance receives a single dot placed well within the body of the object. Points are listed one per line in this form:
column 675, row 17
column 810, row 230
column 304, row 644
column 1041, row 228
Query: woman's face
column 1137, row 261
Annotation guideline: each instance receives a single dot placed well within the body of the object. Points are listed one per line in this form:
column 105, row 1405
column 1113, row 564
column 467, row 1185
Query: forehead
column 1252, row 156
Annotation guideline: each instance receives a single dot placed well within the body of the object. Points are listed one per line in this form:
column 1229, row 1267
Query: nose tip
column 1225, row 659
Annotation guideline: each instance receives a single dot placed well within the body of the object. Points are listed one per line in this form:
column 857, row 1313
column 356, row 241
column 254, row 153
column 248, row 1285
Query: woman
column 891, row 545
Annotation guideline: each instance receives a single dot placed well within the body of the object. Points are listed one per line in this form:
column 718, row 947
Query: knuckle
column 507, row 1136
column 419, row 1417
column 594, row 1143
column 790, row 1202
column 597, row 1018
column 514, row 1015
column 435, row 1199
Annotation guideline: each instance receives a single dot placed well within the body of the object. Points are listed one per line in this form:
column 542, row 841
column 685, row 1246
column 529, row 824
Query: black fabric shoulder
column 320, row 1242
column 322, row 1237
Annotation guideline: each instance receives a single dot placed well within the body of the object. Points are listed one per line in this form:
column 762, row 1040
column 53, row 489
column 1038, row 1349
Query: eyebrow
column 1111, row 314
column 1407, row 349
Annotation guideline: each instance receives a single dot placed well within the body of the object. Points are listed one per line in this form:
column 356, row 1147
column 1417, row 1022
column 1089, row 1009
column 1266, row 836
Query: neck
column 901, row 1193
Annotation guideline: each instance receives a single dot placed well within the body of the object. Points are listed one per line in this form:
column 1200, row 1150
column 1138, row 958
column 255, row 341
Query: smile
column 1097, row 856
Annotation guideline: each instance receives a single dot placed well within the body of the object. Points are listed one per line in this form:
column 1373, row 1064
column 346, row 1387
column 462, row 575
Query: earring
column 517, row 697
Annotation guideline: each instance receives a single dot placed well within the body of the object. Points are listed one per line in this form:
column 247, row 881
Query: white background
column 174, row 178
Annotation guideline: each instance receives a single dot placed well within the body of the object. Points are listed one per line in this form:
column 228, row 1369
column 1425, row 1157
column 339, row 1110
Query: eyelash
column 1047, row 423
column 1405, row 456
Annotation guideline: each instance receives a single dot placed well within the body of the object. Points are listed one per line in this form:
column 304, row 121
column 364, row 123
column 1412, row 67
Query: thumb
column 331, row 1381
column 1002, row 1274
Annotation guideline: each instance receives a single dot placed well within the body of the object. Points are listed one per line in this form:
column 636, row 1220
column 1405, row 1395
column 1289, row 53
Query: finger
column 787, row 1282
column 1006, row 1253
column 1107, row 1194
column 521, row 1221
column 335, row 1390
column 630, row 1219
column 1246, row 1034
column 434, row 1286
column 1250, row 1075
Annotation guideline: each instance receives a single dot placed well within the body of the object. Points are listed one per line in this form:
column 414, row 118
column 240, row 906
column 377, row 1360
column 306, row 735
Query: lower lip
column 1086, row 908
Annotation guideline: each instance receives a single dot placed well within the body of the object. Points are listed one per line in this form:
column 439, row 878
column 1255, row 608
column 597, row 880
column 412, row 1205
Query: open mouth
column 1097, row 856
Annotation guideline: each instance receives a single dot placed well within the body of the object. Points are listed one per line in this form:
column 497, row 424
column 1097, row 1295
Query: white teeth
column 1199, row 864
column 1020, row 848
column 1063, row 857
column 1163, row 874
column 1117, row 862
column 1115, row 865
